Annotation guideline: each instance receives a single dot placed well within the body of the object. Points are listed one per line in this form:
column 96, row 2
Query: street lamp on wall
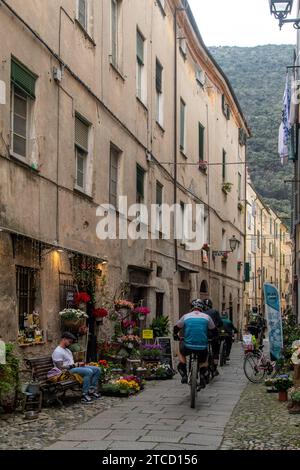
column 233, row 243
column 281, row 9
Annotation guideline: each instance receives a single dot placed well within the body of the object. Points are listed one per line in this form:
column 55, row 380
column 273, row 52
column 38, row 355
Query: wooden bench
column 51, row 391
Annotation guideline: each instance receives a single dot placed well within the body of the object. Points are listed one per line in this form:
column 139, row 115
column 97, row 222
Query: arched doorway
column 204, row 294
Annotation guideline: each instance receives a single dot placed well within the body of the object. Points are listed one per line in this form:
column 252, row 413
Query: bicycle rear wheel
column 252, row 370
column 223, row 353
column 193, row 384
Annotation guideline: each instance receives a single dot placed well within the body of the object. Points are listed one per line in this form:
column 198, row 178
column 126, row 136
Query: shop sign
column 147, row 334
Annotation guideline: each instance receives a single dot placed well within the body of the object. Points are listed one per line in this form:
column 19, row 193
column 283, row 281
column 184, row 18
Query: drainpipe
column 177, row 9
column 262, row 276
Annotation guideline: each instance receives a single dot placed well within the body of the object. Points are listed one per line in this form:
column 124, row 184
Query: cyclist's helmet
column 208, row 304
column 198, row 304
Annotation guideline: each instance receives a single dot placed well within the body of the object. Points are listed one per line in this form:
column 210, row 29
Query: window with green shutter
column 23, row 78
column 140, row 174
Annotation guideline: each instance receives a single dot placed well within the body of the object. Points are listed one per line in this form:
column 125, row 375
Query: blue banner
column 274, row 321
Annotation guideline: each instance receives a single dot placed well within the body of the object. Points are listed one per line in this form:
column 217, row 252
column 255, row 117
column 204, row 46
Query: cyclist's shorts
column 202, row 354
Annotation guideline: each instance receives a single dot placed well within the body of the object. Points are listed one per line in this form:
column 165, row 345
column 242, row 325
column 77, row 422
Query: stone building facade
column 105, row 99
column 269, row 253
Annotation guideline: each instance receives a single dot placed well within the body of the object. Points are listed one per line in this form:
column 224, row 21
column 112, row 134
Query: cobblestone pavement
column 161, row 418
column 260, row 421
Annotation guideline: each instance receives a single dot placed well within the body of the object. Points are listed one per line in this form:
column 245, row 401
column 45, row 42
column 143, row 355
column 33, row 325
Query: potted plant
column 9, row 380
column 72, row 319
column 224, row 258
column 123, row 304
column 151, row 352
column 130, row 341
column 141, row 312
column 160, row 326
column 295, row 397
column 226, row 187
column 282, row 383
column 82, row 298
column 206, row 247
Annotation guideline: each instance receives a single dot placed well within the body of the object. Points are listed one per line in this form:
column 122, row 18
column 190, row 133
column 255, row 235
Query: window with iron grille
column 81, row 151
column 26, row 279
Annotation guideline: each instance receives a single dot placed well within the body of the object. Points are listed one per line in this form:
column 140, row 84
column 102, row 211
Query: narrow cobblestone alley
column 161, row 418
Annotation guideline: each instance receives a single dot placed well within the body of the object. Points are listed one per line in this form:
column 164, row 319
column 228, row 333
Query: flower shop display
column 151, row 352
column 130, row 341
column 32, row 332
column 160, row 326
column 159, row 372
column 123, row 386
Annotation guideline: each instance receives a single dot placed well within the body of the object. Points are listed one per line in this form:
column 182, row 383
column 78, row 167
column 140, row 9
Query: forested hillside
column 257, row 75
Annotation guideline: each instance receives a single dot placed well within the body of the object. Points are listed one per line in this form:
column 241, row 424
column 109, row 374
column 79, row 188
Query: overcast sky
column 240, row 23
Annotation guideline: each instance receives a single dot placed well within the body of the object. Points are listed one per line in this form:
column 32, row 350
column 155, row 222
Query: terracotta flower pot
column 282, row 395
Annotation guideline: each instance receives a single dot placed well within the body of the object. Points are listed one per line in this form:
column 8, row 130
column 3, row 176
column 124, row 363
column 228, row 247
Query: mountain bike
column 257, row 365
column 194, row 377
column 223, row 348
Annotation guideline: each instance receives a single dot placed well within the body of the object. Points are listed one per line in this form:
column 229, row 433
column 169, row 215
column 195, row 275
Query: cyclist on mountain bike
column 215, row 339
column 230, row 329
column 195, row 326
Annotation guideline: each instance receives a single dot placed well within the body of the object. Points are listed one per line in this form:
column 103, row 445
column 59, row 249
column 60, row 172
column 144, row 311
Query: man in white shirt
column 63, row 359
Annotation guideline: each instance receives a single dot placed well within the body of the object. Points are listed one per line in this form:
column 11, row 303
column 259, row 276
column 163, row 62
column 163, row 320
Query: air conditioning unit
column 200, row 76
column 57, row 74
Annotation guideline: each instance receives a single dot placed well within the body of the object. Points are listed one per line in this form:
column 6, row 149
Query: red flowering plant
column 82, row 297
column 142, row 310
column 100, row 312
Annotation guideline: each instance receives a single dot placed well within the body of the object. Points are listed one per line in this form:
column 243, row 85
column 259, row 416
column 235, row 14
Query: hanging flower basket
column 123, row 304
column 72, row 319
column 82, row 298
column 100, row 313
column 141, row 312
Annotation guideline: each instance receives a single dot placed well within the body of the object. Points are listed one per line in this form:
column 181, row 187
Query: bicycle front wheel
column 253, row 371
column 193, row 384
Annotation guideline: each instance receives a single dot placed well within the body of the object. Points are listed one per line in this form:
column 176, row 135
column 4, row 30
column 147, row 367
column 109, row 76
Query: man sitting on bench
column 63, row 359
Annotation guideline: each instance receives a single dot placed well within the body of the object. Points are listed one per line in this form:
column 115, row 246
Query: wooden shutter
column 82, row 13
column 140, row 181
column 224, row 166
column 23, row 78
column 182, row 124
column 159, row 70
column 113, row 183
column 140, row 48
column 201, row 142
column 81, row 134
